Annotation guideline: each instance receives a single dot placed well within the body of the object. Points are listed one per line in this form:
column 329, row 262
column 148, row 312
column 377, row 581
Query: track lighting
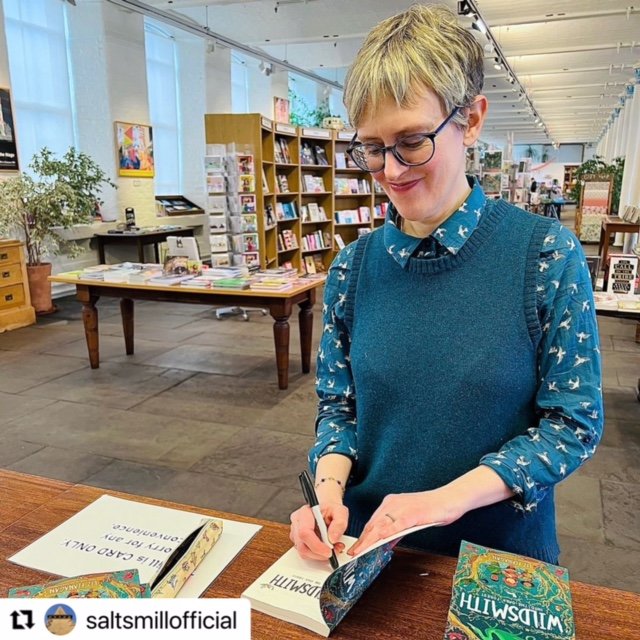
column 480, row 26
column 266, row 68
column 496, row 64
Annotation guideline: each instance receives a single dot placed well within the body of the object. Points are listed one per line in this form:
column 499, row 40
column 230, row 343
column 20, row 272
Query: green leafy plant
column 598, row 166
column 60, row 194
column 302, row 115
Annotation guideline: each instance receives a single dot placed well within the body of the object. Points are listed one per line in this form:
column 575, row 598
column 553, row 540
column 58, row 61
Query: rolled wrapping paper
column 184, row 564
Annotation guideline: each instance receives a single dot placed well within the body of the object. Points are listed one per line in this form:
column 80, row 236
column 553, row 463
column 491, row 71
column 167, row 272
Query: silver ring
column 388, row 515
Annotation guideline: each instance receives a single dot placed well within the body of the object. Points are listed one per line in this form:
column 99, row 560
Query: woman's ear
column 475, row 119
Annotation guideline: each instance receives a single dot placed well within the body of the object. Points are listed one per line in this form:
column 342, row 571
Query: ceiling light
column 465, row 9
column 479, row 25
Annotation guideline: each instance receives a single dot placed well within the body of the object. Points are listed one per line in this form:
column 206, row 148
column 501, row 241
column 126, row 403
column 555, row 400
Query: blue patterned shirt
column 569, row 396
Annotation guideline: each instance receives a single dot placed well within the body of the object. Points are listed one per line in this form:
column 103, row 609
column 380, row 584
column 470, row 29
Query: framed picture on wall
column 8, row 150
column 281, row 110
column 134, row 144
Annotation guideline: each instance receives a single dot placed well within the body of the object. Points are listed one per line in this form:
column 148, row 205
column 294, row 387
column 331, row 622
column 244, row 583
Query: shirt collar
column 451, row 234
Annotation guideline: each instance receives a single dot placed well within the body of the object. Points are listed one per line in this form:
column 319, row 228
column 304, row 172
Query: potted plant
column 57, row 194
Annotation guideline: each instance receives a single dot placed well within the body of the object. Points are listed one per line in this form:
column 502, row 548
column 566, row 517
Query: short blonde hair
column 423, row 47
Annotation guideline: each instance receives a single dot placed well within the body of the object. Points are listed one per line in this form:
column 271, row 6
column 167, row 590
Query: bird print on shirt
column 570, row 412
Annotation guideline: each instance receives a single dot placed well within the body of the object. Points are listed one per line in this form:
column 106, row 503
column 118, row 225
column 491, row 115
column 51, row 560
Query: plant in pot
column 57, row 194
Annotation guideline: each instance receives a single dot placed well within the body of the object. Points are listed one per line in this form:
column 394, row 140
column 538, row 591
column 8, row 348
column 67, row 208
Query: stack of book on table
column 279, row 279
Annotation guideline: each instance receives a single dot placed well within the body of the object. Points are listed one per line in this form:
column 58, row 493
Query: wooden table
column 279, row 303
column 610, row 226
column 625, row 314
column 409, row 600
column 140, row 239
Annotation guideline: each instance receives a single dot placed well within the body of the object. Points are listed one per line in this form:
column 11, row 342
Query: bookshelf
column 299, row 175
column 252, row 134
column 316, row 197
column 353, row 194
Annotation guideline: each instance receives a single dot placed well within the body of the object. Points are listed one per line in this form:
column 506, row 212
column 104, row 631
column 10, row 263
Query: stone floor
column 195, row 416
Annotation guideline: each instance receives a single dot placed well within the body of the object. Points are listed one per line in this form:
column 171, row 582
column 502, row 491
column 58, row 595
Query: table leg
column 305, row 316
column 281, row 339
column 140, row 251
column 156, row 252
column 90, row 321
column 101, row 257
column 126, row 311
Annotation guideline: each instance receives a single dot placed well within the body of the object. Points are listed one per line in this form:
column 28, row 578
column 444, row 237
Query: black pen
column 311, row 499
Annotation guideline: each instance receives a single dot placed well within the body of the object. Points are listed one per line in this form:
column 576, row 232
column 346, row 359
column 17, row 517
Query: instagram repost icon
column 60, row 619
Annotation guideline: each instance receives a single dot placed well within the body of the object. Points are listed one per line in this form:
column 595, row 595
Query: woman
column 459, row 368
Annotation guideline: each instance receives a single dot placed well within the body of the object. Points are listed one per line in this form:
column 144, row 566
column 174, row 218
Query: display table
column 408, row 601
column 279, row 303
column 610, row 226
column 139, row 239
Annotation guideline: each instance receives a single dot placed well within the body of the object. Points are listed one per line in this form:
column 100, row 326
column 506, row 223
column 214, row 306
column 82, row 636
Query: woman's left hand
column 404, row 510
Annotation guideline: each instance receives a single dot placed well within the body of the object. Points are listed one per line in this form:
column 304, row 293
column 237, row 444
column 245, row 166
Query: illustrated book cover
column 116, row 584
column 621, row 274
column 166, row 546
column 505, row 596
column 311, row 594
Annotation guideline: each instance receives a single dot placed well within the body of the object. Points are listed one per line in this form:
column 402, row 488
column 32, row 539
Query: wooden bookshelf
column 298, row 154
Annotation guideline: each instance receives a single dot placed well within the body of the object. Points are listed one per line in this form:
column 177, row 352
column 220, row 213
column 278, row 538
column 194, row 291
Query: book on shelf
column 311, row 594
column 244, row 163
column 321, row 155
column 249, row 223
column 247, row 183
column 248, row 203
column 339, row 241
column 310, row 265
column 162, row 545
column 265, row 183
column 290, row 211
column 341, row 160
column 282, row 183
column 249, row 242
column 621, row 274
column 505, row 595
column 306, row 154
column 282, row 151
column 631, row 214
column 313, row 184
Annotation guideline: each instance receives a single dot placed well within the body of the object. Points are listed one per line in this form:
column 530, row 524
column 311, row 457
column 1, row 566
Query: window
column 36, row 34
column 239, row 84
column 162, row 86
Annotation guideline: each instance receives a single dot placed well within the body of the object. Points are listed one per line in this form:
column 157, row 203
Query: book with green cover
column 505, row 596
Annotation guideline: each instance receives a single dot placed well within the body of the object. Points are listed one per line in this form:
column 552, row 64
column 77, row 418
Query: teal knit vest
column 443, row 355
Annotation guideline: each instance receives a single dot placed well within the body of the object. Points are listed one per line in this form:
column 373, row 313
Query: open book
column 311, row 594
column 177, row 553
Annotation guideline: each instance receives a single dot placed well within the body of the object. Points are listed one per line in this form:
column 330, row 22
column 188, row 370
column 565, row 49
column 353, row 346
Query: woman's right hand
column 304, row 533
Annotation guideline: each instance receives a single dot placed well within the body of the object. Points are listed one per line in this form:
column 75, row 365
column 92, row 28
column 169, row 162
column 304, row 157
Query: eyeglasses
column 412, row 150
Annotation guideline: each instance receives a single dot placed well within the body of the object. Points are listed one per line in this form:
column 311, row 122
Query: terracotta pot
column 40, row 287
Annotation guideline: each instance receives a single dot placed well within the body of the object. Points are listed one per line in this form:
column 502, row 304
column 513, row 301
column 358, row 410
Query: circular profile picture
column 60, row 619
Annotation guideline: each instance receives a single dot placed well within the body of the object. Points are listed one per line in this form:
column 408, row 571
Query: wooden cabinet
column 15, row 303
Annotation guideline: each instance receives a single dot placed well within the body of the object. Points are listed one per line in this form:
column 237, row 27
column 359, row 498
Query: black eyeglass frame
column 393, row 147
